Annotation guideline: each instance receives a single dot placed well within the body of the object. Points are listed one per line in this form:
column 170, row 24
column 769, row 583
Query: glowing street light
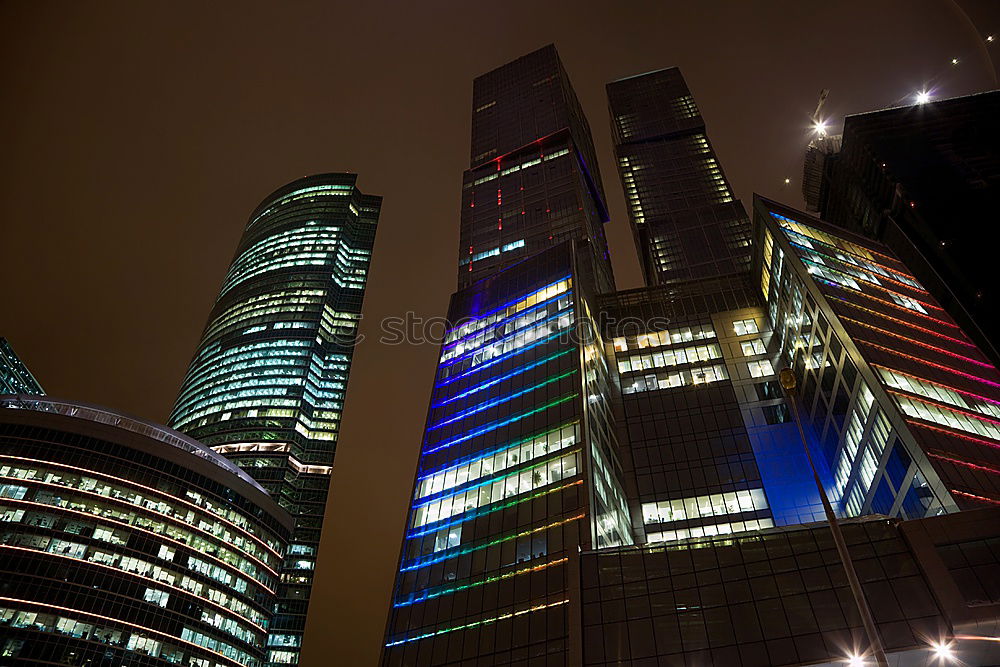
column 954, row 61
column 787, row 181
column 820, row 127
column 923, row 97
column 943, row 652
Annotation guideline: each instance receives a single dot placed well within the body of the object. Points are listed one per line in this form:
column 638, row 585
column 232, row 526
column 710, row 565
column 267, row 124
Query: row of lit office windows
column 132, row 640
column 487, row 493
column 939, row 392
column 665, row 337
column 694, row 507
column 169, row 576
column 506, row 311
column 542, row 311
column 669, row 357
column 710, row 530
column 682, row 378
column 124, row 515
column 165, row 505
column 516, row 454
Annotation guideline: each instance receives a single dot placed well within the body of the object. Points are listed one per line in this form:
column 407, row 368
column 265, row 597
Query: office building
column 780, row 597
column 533, row 179
column 267, row 383
column 15, row 378
column 903, row 404
column 126, row 543
column 923, row 179
column 686, row 220
column 519, row 467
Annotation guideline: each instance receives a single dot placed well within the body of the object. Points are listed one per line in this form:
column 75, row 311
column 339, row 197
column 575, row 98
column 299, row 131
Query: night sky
column 137, row 138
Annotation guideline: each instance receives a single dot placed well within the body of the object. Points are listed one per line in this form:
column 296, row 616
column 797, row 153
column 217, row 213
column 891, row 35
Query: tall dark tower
column 519, row 467
column 266, row 385
column 686, row 220
column 533, row 179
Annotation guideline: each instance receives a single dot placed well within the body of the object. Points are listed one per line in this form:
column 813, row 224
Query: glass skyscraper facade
column 904, row 405
column 15, row 378
column 519, row 466
column 615, row 478
column 686, row 220
column 126, row 543
column 267, row 383
column 533, row 179
column 920, row 178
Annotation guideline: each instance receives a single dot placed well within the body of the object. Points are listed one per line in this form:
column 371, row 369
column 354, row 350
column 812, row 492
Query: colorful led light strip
column 925, row 362
column 172, row 638
column 497, row 380
column 904, row 322
column 146, row 581
column 499, row 540
column 417, row 597
column 429, row 528
column 496, row 360
column 486, row 454
column 155, row 492
column 914, row 341
column 492, row 403
column 512, row 316
column 984, row 499
column 478, row 623
column 885, row 267
column 820, row 231
column 510, row 303
column 891, row 304
column 513, row 334
column 868, row 282
column 978, row 441
column 492, row 426
column 939, row 384
column 156, row 536
column 960, row 462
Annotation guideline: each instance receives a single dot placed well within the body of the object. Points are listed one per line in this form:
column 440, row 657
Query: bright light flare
column 787, row 181
column 954, row 61
column 943, row 652
column 856, row 661
column 819, row 127
column 923, row 97
column 989, row 38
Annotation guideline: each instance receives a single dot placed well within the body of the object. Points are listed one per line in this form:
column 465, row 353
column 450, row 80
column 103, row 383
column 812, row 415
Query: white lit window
column 743, row 327
column 752, row 347
column 760, row 368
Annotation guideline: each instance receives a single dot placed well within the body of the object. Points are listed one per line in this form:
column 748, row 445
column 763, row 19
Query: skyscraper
column 533, row 179
column 686, row 220
column 923, row 179
column 904, row 406
column 519, row 465
column 15, row 378
column 126, row 543
column 615, row 478
column 267, row 383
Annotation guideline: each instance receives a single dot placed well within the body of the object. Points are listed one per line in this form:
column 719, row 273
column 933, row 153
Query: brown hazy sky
column 138, row 136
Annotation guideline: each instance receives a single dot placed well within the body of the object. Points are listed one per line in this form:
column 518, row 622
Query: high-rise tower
column 686, row 220
column 266, row 385
column 533, row 179
column 519, row 464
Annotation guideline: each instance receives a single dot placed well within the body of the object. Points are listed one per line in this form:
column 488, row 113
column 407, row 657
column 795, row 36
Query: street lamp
column 788, row 382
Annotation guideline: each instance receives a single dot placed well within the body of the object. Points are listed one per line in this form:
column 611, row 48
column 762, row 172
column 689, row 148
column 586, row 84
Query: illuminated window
column 760, row 368
column 743, row 327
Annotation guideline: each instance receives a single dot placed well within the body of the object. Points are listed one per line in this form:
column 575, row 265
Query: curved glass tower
column 126, row 543
column 266, row 385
